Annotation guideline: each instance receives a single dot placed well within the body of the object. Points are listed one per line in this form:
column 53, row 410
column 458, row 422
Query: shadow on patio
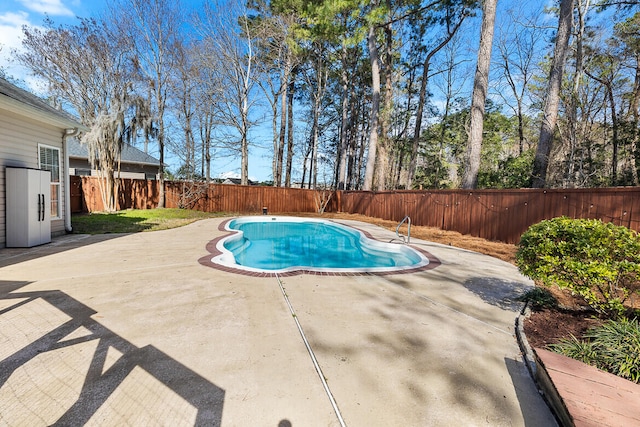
column 10, row 256
column 59, row 366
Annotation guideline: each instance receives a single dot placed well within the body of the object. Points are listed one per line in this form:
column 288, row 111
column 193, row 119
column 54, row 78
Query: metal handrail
column 408, row 220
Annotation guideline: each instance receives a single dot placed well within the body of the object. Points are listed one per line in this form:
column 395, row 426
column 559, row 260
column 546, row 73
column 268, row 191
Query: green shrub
column 613, row 347
column 539, row 298
column 575, row 348
column 598, row 261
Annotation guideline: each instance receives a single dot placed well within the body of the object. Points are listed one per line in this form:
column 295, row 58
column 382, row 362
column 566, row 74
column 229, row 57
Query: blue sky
column 14, row 14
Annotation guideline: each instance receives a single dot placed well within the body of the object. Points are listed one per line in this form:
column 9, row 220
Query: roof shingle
column 130, row 154
column 14, row 92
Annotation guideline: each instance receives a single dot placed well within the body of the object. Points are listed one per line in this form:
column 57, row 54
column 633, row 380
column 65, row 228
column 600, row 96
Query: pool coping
column 213, row 250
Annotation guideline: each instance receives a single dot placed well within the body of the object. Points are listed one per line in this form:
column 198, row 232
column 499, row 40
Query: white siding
column 19, row 139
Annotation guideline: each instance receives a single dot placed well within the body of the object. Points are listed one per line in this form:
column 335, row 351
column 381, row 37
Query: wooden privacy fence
column 499, row 215
column 133, row 194
column 142, row 194
column 241, row 198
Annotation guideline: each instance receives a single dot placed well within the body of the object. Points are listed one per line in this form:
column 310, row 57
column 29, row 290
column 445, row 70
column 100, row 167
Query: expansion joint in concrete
column 311, row 354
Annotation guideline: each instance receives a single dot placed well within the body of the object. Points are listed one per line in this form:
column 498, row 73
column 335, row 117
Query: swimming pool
column 282, row 244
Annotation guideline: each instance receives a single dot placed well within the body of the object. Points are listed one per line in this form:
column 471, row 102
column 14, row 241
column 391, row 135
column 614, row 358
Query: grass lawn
column 135, row 220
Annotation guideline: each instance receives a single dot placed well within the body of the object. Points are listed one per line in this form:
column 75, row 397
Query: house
column 134, row 163
column 236, row 181
column 35, row 135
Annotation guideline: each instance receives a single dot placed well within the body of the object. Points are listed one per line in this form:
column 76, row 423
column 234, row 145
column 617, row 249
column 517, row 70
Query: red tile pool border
column 213, row 252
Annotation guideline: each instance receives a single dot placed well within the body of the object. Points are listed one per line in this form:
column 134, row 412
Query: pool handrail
column 408, row 239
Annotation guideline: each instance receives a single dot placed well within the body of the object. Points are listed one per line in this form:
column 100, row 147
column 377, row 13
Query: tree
column 450, row 15
column 519, row 49
column 628, row 43
column 501, row 165
column 340, row 29
column 276, row 28
column 479, row 96
column 321, row 29
column 347, row 90
column 316, row 77
column 374, row 120
column 552, row 97
column 606, row 81
column 209, row 92
column 439, row 161
column 184, row 89
column 581, row 10
column 88, row 67
column 153, row 28
column 453, row 76
column 228, row 39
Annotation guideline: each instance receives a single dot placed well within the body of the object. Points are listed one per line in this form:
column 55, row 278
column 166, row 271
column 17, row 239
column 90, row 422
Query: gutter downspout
column 68, row 133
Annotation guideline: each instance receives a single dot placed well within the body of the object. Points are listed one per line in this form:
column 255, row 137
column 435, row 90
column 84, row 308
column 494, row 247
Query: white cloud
column 11, row 38
column 11, row 24
column 50, row 7
column 11, row 30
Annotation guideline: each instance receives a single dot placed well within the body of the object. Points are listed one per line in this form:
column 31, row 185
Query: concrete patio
column 132, row 330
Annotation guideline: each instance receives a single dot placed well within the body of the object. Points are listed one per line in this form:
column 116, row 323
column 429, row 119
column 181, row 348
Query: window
column 49, row 159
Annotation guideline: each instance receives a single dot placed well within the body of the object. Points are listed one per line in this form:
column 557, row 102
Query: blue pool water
column 277, row 243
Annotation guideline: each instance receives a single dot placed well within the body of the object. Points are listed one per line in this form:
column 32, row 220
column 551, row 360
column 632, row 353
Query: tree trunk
column 244, row 162
column 582, row 9
column 422, row 99
column 383, row 172
column 279, row 154
column 244, row 112
column 275, row 141
column 290, row 141
column 520, row 128
column 415, row 145
column 321, row 76
column 244, row 142
column 614, row 139
column 207, row 148
column 634, row 105
column 342, row 153
column 305, row 162
column 375, row 109
column 404, row 153
column 615, row 125
column 161, row 195
column 552, row 101
column 479, row 97
column 357, row 167
column 313, row 171
column 354, row 138
column 353, row 174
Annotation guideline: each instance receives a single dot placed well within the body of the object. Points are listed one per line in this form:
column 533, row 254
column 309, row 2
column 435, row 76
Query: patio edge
column 539, row 374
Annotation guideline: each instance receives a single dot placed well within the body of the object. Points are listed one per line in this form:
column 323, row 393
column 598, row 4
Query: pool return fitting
column 401, row 236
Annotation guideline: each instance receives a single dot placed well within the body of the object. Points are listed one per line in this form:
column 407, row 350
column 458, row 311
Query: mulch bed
column 549, row 326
